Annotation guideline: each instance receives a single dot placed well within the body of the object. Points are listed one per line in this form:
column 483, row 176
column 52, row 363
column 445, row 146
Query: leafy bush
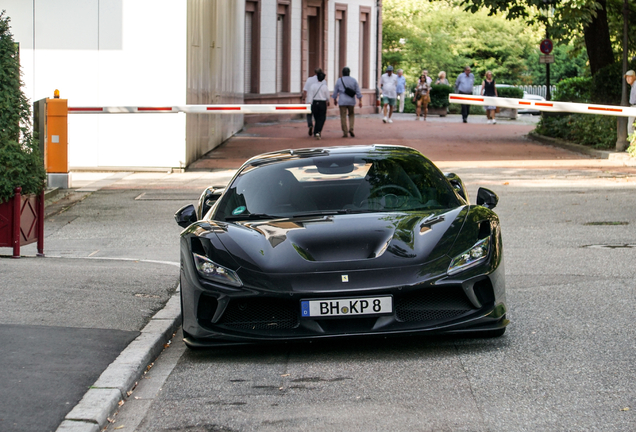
column 578, row 89
column 20, row 160
column 607, row 83
column 474, row 109
column 439, row 95
column 632, row 145
column 510, row 92
column 439, row 98
column 592, row 130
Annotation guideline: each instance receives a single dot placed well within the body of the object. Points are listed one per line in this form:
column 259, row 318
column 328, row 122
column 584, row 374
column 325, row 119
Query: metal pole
column 621, row 122
column 548, row 96
column 40, row 224
column 17, row 204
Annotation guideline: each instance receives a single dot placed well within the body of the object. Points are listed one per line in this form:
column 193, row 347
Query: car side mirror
column 209, row 196
column 487, row 198
column 185, row 216
column 457, row 184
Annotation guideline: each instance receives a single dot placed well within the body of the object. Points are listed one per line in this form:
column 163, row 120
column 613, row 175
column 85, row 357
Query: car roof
column 314, row 151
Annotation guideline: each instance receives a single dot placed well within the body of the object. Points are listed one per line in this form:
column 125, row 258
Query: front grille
column 432, row 304
column 261, row 314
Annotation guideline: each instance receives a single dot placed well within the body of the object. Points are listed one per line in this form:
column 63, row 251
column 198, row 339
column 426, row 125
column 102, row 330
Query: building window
column 252, row 46
column 365, row 27
column 283, row 47
column 340, row 33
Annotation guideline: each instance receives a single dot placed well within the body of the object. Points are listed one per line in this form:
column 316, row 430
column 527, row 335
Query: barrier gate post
column 56, row 143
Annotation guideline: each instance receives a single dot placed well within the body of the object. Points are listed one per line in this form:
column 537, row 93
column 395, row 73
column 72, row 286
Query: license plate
column 347, row 307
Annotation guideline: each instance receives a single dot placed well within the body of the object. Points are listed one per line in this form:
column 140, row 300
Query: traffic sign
column 543, row 59
column 546, row 46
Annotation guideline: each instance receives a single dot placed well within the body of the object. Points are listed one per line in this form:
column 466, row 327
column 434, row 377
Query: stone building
column 174, row 52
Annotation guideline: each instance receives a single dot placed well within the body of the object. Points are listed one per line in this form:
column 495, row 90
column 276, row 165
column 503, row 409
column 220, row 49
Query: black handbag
column 348, row 91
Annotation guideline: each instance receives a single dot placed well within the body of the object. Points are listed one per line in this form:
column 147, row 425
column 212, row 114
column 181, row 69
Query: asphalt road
column 565, row 363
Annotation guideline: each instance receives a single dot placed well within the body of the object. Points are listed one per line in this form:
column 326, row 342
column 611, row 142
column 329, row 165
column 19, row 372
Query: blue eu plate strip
column 304, row 306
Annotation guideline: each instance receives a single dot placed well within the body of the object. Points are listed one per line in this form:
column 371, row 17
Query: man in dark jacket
column 347, row 84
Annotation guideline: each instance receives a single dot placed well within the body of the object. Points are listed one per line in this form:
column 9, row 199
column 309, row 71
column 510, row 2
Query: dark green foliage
column 20, row 160
column 593, row 130
column 578, row 89
column 510, row 92
column 409, row 106
column 607, row 84
column 439, row 95
column 473, row 110
column 568, row 63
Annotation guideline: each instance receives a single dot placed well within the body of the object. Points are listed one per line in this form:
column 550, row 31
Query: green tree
column 439, row 35
column 20, row 160
column 567, row 20
column 569, row 62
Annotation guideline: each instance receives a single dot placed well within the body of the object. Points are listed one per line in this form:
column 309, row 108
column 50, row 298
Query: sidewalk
column 112, row 262
column 112, row 256
column 445, row 140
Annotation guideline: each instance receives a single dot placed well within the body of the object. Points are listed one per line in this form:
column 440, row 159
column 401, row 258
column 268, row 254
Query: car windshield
column 336, row 183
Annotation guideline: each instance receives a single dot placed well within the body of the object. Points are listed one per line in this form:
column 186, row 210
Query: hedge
column 20, row 161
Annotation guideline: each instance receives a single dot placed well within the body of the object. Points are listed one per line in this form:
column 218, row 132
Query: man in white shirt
column 311, row 80
column 630, row 77
column 388, row 84
column 319, row 94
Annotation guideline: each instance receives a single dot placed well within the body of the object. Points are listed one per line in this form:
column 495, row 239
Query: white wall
column 108, row 52
column 215, row 41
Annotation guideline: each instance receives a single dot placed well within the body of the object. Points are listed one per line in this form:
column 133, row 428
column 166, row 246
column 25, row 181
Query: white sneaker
column 419, row 118
column 389, row 121
column 384, row 119
column 494, row 121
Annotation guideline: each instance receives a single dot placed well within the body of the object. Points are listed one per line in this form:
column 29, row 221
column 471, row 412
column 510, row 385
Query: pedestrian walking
column 319, row 102
column 422, row 97
column 388, row 84
column 488, row 88
column 464, row 85
column 310, row 81
column 347, row 89
column 630, row 77
column 441, row 79
column 401, row 89
column 429, row 80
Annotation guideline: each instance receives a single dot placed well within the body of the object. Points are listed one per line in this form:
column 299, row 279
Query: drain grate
column 601, row 246
column 606, row 223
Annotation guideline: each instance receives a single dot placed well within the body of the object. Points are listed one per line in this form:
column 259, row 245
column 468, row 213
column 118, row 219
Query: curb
column 112, row 387
column 623, row 157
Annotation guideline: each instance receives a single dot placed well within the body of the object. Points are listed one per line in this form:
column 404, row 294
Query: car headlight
column 208, row 269
column 471, row 257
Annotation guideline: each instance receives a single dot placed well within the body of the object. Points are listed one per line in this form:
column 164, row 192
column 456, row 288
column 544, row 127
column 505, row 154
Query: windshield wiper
column 332, row 212
column 320, row 213
column 251, row 216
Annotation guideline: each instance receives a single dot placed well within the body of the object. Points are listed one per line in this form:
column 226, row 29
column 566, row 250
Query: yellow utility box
column 56, row 145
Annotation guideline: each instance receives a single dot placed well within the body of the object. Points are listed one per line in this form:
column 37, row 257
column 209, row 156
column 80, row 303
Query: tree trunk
column 597, row 40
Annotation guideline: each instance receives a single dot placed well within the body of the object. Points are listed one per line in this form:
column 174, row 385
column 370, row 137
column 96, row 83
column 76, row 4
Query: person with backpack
column 347, row 89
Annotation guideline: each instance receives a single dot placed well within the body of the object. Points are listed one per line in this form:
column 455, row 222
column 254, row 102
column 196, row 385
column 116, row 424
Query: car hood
column 342, row 242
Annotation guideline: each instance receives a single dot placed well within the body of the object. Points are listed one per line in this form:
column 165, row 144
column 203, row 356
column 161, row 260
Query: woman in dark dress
column 488, row 88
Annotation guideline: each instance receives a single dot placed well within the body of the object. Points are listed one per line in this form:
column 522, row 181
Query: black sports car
column 340, row 241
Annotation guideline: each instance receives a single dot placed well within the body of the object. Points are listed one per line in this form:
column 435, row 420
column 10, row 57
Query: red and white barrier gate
column 197, row 109
column 551, row 106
